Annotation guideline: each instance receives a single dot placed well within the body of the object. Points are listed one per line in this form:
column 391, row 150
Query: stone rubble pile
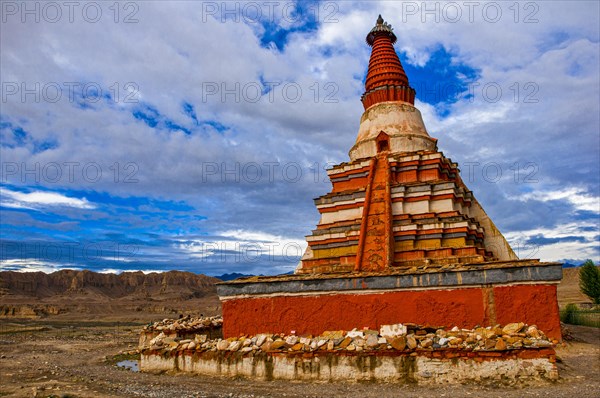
column 398, row 337
column 186, row 324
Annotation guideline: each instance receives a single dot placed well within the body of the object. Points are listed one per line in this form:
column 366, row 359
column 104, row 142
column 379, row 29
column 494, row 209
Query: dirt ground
column 74, row 359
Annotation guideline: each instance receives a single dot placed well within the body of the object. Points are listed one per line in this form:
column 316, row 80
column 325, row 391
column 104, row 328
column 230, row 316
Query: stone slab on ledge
column 520, row 271
column 514, row 367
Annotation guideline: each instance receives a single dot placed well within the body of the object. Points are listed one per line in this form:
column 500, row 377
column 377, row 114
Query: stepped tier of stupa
column 399, row 202
column 401, row 237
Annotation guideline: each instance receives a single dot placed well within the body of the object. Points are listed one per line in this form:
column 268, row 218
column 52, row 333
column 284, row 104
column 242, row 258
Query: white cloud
column 245, row 245
column 119, row 271
column 584, row 246
column 41, row 199
column 32, row 265
column 578, row 197
column 173, row 52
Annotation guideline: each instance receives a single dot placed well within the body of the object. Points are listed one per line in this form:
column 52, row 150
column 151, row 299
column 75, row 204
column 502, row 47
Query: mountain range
column 86, row 293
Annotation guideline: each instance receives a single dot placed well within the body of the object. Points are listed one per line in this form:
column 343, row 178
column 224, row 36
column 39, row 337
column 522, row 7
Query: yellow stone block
column 454, row 242
column 428, row 244
column 335, row 252
column 403, row 245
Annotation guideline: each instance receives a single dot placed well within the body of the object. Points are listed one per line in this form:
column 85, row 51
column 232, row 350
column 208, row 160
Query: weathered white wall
column 400, row 369
column 401, row 121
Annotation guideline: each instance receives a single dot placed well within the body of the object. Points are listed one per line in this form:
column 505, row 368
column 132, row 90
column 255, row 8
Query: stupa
column 401, row 238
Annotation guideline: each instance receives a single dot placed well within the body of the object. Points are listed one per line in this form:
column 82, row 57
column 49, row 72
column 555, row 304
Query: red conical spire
column 386, row 80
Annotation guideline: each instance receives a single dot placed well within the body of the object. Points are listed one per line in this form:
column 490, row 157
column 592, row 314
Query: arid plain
column 63, row 338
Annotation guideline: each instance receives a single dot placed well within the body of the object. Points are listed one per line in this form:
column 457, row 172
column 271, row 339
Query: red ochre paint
column 465, row 308
column 532, row 304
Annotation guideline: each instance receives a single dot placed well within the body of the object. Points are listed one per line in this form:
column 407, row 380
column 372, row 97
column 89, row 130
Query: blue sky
column 194, row 135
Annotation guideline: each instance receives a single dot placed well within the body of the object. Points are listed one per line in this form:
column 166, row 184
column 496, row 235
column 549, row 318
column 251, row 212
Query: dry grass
column 568, row 289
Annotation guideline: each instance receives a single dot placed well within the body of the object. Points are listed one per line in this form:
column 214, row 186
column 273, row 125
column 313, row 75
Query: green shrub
column 567, row 315
column 589, row 281
column 573, row 315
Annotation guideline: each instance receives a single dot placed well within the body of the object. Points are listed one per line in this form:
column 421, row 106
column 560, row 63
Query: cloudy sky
column 192, row 135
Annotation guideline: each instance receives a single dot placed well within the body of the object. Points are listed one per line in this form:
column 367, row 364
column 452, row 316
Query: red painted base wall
column 532, row 304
